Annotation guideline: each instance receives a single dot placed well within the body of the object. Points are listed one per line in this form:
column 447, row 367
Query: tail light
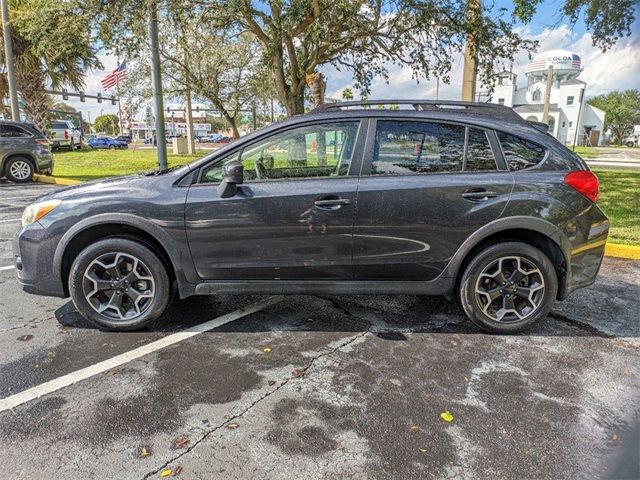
column 43, row 141
column 66, row 134
column 584, row 182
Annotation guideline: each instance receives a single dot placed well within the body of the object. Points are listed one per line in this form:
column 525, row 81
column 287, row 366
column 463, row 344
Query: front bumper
column 33, row 251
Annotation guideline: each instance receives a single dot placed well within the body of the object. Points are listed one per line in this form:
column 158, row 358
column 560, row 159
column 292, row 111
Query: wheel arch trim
column 172, row 247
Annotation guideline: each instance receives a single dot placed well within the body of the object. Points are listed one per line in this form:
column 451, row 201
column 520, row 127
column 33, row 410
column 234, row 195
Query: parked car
column 105, row 142
column 223, row 139
column 465, row 200
column 24, row 150
column 63, row 133
column 631, row 141
column 211, row 138
column 124, row 139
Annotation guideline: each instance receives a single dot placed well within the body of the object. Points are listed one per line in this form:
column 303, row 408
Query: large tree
column 622, row 111
column 53, row 47
column 106, row 124
column 367, row 36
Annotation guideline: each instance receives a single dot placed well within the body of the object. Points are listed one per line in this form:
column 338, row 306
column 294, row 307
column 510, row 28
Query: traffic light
column 82, row 97
column 113, row 100
column 64, row 94
column 99, row 97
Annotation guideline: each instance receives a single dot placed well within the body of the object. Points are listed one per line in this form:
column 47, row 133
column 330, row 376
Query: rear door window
column 13, row 131
column 520, row 153
column 409, row 147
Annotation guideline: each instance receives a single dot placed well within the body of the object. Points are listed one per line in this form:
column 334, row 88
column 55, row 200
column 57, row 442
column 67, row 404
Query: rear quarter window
column 520, row 153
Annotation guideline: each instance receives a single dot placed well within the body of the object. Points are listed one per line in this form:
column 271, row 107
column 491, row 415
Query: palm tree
column 52, row 47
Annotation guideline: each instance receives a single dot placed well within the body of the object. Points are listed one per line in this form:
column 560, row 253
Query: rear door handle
column 479, row 194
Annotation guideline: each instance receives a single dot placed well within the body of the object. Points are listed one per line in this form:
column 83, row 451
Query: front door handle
column 331, row 203
column 478, row 194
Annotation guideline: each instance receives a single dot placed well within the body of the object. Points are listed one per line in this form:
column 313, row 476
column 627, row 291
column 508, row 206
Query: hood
column 116, row 185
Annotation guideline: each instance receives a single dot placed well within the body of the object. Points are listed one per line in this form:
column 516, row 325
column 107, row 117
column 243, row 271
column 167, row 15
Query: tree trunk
column 317, row 84
column 36, row 101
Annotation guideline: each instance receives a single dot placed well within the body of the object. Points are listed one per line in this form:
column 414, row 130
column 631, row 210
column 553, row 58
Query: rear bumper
column 33, row 251
column 44, row 161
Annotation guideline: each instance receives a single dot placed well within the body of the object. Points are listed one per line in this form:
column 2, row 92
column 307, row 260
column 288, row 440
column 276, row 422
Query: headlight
column 36, row 211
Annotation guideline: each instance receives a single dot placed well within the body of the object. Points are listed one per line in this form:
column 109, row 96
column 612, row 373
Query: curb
column 622, row 251
column 54, row 180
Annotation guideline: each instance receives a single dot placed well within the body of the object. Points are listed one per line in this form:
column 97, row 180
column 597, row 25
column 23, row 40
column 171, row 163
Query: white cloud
column 615, row 69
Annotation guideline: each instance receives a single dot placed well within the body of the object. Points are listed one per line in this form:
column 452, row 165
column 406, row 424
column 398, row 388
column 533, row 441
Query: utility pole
column 156, row 79
column 191, row 148
column 8, row 58
column 547, row 95
column 470, row 68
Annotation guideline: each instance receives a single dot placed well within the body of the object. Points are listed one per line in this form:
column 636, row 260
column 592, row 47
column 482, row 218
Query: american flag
column 114, row 77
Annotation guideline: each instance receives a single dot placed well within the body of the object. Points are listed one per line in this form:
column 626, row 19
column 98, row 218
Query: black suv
column 459, row 199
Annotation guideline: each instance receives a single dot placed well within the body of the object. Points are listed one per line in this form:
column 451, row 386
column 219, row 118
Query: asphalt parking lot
column 318, row 387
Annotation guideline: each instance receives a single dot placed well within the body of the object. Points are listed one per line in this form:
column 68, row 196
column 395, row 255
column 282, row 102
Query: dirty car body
column 338, row 201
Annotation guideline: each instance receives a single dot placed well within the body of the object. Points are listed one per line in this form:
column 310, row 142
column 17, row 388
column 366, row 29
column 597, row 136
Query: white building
column 571, row 119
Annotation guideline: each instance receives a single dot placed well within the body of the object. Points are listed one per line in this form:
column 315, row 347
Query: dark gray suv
column 23, row 151
column 459, row 199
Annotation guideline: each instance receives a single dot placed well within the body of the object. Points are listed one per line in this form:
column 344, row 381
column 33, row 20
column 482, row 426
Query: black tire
column 629, row 144
column 19, row 170
column 112, row 147
column 157, row 282
column 488, row 258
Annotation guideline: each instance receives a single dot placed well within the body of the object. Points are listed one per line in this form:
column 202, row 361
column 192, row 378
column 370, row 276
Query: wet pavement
column 322, row 387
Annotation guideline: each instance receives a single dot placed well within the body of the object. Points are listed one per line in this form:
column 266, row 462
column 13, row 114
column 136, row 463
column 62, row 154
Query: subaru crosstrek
column 465, row 200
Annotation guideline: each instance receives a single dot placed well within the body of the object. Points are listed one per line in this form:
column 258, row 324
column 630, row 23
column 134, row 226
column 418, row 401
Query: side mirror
column 232, row 176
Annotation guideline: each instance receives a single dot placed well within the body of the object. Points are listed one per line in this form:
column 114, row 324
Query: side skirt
column 439, row 286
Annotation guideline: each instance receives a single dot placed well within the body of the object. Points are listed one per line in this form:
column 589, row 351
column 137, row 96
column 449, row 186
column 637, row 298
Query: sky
column 616, row 69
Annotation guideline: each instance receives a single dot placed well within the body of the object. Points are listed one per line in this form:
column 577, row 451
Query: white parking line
column 10, row 267
column 10, row 220
column 84, row 373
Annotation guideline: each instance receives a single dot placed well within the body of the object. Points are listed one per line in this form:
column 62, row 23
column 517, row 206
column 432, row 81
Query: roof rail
column 422, row 105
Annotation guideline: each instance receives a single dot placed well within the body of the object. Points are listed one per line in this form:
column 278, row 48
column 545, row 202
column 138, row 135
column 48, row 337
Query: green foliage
column 622, row 111
column 52, row 45
column 107, row 124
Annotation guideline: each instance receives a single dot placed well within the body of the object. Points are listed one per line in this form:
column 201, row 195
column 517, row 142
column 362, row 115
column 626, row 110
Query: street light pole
column 156, row 78
column 8, row 56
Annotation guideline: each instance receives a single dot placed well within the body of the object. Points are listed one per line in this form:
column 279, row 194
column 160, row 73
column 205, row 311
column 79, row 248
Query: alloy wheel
column 119, row 286
column 510, row 289
column 20, row 169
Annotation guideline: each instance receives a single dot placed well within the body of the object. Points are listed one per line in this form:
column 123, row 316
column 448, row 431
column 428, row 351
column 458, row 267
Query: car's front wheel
column 508, row 287
column 119, row 284
column 19, row 170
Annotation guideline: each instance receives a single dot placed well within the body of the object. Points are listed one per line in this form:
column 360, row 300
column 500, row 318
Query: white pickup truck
column 63, row 133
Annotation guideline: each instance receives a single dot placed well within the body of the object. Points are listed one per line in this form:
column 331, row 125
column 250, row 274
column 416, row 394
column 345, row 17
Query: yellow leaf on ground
column 414, row 427
column 144, row 452
column 266, row 349
column 423, row 450
column 446, row 416
column 232, row 426
column 166, row 472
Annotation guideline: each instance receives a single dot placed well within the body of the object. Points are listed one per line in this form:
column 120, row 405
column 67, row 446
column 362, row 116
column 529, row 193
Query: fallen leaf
column 266, row 349
column 181, row 442
column 446, row 416
column 615, row 437
column 166, row 472
column 233, row 426
column 628, row 372
column 226, row 417
column 414, row 427
column 178, row 471
column 144, row 452
column 454, row 343
column 298, row 373
column 423, row 450
column 271, row 382
column 113, row 372
column 25, row 338
column 466, row 379
column 36, row 365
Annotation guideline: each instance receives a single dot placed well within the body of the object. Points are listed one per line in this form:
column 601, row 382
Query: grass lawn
column 619, row 189
column 620, row 200
column 92, row 164
column 586, row 152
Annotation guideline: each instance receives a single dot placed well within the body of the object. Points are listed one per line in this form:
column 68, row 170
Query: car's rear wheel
column 119, row 284
column 19, row 170
column 508, row 287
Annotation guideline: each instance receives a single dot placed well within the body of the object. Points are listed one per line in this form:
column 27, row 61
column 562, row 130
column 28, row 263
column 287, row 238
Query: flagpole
column 120, row 130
